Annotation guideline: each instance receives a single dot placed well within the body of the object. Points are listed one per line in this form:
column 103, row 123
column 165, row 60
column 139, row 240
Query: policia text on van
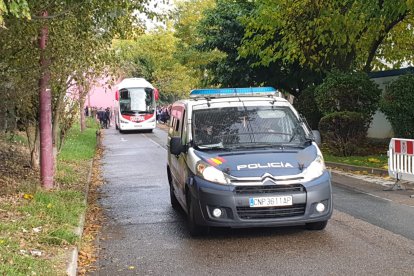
column 242, row 157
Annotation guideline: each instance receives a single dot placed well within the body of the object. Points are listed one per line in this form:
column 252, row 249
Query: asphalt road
column 143, row 235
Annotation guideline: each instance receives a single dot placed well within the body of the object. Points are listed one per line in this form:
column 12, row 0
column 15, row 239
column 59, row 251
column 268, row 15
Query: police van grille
column 269, row 189
column 271, row 212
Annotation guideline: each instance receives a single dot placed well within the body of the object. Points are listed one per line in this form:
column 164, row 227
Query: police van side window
column 183, row 129
column 177, row 125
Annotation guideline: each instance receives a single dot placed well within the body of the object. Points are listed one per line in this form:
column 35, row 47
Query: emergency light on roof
column 230, row 92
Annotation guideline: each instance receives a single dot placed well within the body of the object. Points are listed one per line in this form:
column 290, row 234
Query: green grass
column 79, row 146
column 55, row 212
column 372, row 161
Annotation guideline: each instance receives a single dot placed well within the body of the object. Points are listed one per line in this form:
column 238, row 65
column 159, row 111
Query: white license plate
column 270, row 201
column 137, row 125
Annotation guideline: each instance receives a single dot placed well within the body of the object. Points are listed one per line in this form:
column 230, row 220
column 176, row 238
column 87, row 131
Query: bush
column 344, row 132
column 306, row 105
column 398, row 106
column 348, row 92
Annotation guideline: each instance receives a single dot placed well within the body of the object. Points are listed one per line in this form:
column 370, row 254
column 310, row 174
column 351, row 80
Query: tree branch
column 377, row 42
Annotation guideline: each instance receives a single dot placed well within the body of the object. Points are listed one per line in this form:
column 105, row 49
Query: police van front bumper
column 235, row 210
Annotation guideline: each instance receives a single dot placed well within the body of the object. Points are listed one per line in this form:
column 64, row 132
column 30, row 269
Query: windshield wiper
column 253, row 146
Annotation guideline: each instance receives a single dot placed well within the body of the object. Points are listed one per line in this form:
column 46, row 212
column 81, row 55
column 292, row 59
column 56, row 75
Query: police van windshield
column 232, row 127
column 136, row 101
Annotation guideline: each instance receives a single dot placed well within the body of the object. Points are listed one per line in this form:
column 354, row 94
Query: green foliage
column 188, row 16
column 209, row 36
column 327, row 34
column 348, row 92
column 17, row 8
column 343, row 132
column 222, row 30
column 78, row 50
column 397, row 105
column 306, row 105
column 152, row 56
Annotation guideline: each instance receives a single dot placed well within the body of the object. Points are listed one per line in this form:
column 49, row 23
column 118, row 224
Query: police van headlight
column 211, row 174
column 315, row 169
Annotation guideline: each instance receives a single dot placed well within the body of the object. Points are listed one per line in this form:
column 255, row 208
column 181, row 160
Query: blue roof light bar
column 230, row 92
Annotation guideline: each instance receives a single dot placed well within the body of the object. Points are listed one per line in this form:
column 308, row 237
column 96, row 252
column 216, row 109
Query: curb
column 352, row 168
column 72, row 266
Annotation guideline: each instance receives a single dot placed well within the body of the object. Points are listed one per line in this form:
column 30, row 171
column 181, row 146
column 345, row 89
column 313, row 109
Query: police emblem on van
column 264, row 165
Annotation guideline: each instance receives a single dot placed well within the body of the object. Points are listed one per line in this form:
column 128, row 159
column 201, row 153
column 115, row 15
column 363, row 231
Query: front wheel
column 194, row 229
column 320, row 225
column 173, row 199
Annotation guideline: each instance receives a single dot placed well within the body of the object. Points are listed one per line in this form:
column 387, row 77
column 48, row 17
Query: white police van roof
column 234, row 92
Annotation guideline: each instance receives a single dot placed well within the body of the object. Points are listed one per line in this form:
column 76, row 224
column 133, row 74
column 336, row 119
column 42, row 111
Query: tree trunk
column 377, row 42
column 55, row 126
column 45, row 122
column 33, row 138
column 82, row 111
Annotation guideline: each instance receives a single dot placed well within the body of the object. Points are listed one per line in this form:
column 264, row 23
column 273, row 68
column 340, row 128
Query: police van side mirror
column 176, row 146
column 317, row 137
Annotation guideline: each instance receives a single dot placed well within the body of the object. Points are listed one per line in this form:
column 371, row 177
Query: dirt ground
column 15, row 171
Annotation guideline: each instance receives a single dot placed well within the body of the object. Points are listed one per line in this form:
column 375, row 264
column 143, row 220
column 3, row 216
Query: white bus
column 135, row 105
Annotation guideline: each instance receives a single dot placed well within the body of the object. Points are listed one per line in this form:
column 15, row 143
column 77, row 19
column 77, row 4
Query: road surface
column 143, row 235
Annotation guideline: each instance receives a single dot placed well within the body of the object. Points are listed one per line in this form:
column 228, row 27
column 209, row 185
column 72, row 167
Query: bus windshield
column 136, row 101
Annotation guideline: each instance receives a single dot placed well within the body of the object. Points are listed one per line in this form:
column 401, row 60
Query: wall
column 380, row 126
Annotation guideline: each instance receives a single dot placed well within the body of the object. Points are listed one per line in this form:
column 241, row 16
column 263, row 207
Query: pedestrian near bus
column 108, row 117
column 101, row 117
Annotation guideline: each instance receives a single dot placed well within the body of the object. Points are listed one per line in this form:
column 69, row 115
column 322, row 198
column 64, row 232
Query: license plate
column 137, row 125
column 270, row 201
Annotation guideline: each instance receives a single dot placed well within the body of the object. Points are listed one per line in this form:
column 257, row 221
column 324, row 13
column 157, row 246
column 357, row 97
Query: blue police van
column 243, row 157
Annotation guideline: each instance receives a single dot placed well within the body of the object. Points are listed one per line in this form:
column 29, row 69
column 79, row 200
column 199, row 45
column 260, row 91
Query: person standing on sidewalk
column 108, row 117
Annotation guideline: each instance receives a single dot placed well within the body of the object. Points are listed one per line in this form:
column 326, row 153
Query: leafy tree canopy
column 17, row 8
column 326, row 34
column 222, row 29
column 188, row 15
column 152, row 56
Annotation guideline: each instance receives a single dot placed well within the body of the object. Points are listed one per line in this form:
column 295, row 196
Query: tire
column 316, row 226
column 173, row 199
column 194, row 229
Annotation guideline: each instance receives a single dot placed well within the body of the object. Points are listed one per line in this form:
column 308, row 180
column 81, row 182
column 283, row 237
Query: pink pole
column 45, row 106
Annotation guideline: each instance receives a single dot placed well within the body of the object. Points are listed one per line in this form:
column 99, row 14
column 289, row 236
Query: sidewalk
column 374, row 185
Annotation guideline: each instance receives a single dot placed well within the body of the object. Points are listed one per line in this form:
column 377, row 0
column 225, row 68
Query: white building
column 380, row 126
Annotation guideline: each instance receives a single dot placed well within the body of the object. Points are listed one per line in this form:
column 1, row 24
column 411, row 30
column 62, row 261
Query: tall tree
column 187, row 18
column 222, row 29
column 74, row 46
column 323, row 34
column 152, row 56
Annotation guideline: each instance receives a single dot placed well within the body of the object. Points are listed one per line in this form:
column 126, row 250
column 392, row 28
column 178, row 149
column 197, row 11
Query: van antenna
column 208, row 101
